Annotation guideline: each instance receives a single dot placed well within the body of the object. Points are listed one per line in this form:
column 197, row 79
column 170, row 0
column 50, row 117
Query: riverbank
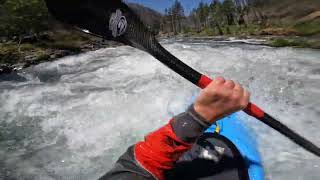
column 303, row 35
column 47, row 47
column 54, row 45
column 276, row 40
column 299, row 42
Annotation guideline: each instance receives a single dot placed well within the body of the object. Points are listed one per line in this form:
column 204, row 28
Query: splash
column 72, row 118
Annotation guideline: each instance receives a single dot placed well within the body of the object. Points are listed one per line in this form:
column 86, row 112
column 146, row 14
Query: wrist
column 188, row 126
column 205, row 113
column 197, row 117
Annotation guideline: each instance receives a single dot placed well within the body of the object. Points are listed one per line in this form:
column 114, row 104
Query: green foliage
column 26, row 47
column 64, row 40
column 9, row 54
column 203, row 13
column 229, row 10
column 12, row 53
column 43, row 56
column 186, row 29
column 308, row 28
column 22, row 17
column 208, row 32
column 282, row 42
column 315, row 44
column 65, row 45
column 215, row 16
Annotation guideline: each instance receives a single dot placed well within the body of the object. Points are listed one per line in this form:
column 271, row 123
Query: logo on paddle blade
column 117, row 24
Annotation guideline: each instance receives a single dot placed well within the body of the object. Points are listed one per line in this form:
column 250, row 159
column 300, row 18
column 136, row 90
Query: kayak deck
column 231, row 128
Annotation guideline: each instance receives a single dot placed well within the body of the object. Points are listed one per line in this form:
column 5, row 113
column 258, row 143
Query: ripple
column 74, row 117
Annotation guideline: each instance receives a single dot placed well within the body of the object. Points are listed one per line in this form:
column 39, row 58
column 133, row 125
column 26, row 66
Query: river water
column 72, row 118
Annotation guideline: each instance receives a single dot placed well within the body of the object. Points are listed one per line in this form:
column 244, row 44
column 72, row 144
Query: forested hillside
column 245, row 17
column 30, row 17
column 284, row 23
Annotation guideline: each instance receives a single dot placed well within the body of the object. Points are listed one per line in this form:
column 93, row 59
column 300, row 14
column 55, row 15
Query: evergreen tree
column 228, row 9
column 203, row 13
column 195, row 19
column 216, row 16
column 173, row 17
column 23, row 17
column 179, row 14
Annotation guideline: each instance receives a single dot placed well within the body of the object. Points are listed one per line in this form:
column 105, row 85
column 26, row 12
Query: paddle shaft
column 253, row 110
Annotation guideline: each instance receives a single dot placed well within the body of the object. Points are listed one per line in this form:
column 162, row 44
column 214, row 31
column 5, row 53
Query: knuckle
column 219, row 80
column 206, row 91
column 246, row 95
column 243, row 104
column 236, row 97
column 238, row 86
column 210, row 92
column 230, row 83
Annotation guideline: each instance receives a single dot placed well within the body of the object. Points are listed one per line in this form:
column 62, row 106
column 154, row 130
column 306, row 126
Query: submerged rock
column 5, row 69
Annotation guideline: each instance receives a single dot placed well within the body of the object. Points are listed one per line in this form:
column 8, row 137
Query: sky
column 160, row 5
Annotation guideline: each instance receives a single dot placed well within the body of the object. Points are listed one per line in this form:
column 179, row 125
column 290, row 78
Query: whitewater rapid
column 73, row 118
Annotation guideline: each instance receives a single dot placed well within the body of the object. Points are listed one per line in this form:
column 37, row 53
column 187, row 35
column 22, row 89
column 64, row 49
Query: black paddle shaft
column 114, row 20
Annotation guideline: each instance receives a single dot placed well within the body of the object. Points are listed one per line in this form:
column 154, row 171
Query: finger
column 219, row 80
column 238, row 93
column 238, row 87
column 245, row 100
column 229, row 84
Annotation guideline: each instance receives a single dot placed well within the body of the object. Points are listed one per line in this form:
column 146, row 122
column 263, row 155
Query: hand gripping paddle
column 114, row 20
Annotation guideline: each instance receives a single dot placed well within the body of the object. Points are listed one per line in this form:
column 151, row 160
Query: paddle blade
column 109, row 19
column 114, row 20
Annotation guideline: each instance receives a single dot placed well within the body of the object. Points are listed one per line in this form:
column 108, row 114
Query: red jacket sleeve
column 160, row 150
column 163, row 147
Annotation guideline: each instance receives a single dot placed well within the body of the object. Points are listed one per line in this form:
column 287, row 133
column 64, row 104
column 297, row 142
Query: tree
column 173, row 17
column 216, row 18
column 242, row 11
column 178, row 14
column 23, row 17
column 203, row 13
column 228, row 9
column 172, row 20
column 195, row 19
column 256, row 8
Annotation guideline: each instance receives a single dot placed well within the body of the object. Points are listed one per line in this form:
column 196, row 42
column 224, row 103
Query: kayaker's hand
column 221, row 98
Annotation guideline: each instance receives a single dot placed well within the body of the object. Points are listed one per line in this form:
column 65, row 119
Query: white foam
column 74, row 117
